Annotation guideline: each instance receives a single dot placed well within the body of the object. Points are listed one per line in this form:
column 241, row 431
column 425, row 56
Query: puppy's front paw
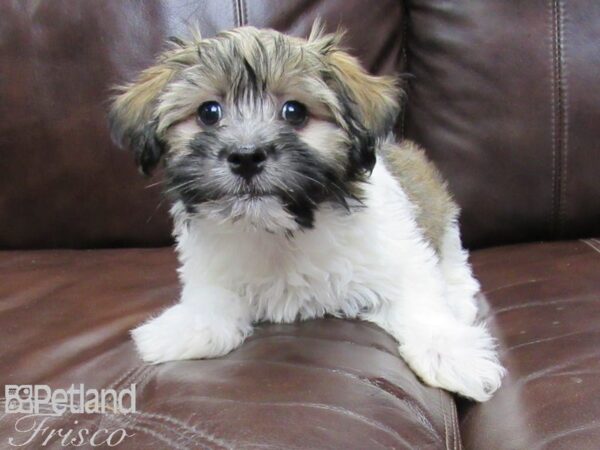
column 463, row 361
column 182, row 332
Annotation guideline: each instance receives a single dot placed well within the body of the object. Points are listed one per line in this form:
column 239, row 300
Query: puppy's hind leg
column 206, row 323
column 461, row 286
column 443, row 350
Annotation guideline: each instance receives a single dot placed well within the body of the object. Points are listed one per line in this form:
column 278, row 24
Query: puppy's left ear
column 369, row 104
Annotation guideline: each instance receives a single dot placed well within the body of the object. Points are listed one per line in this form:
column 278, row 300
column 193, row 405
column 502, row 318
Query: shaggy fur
column 425, row 188
column 319, row 228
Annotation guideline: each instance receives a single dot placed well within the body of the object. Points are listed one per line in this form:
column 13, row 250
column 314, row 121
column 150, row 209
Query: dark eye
column 294, row 113
column 210, row 113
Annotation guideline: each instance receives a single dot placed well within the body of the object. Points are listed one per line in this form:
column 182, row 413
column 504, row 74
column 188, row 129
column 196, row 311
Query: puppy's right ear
column 132, row 117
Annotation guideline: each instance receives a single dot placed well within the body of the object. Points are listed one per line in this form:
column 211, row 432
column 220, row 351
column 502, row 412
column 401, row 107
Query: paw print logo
column 19, row 398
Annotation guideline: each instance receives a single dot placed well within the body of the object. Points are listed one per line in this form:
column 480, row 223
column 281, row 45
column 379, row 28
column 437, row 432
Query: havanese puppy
column 282, row 212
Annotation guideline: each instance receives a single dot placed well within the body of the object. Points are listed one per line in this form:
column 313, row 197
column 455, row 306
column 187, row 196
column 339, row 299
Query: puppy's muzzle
column 247, row 161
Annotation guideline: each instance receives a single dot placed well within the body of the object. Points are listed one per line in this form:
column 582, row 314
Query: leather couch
column 504, row 94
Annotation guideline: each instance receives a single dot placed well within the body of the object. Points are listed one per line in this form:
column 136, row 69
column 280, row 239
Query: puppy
column 282, row 213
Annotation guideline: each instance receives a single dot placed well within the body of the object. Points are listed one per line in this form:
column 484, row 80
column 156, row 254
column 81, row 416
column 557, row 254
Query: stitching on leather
column 443, row 407
column 565, row 118
column 451, row 423
column 173, row 425
column 240, row 12
column 181, row 431
column 553, row 106
column 455, row 425
column 143, row 375
column 236, row 20
column 132, row 423
column 245, row 11
column 120, row 381
column 558, row 116
column 184, row 430
column 156, row 434
column 404, row 62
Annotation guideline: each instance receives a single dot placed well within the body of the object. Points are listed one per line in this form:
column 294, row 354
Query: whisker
column 151, row 185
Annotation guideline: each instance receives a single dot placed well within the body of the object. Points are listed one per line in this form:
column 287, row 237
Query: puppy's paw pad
column 179, row 333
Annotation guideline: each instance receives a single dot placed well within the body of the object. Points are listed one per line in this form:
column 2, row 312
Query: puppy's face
column 253, row 121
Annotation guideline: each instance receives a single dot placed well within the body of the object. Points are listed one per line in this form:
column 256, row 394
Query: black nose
column 247, row 161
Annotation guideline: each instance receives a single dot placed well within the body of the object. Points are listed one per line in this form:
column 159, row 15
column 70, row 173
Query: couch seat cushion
column 545, row 309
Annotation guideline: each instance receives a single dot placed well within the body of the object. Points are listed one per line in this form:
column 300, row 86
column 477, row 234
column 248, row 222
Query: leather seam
column 404, row 63
column 189, row 435
column 245, row 10
column 236, row 20
column 558, row 122
column 240, row 12
column 156, row 429
column 140, row 375
column 143, row 375
column 565, row 119
column 554, row 111
column 455, row 427
column 183, row 431
column 442, row 404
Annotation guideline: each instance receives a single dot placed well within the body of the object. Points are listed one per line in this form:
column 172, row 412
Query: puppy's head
column 253, row 118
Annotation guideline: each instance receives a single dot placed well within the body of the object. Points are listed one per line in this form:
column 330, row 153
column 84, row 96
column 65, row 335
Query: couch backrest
column 503, row 96
column 62, row 182
column 506, row 99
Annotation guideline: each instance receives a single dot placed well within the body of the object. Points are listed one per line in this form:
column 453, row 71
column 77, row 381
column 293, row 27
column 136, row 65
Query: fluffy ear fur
column 374, row 98
column 370, row 103
column 132, row 116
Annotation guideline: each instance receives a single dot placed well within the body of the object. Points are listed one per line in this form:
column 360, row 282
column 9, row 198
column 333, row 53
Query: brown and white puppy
column 281, row 212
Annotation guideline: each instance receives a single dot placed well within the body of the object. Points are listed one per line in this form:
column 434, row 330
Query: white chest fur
column 346, row 264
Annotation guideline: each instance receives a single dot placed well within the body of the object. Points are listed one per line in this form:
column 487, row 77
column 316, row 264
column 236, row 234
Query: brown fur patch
column 424, row 186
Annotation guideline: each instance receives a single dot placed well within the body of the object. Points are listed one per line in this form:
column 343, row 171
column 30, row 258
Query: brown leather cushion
column 505, row 99
column 545, row 307
column 65, row 316
column 63, row 183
